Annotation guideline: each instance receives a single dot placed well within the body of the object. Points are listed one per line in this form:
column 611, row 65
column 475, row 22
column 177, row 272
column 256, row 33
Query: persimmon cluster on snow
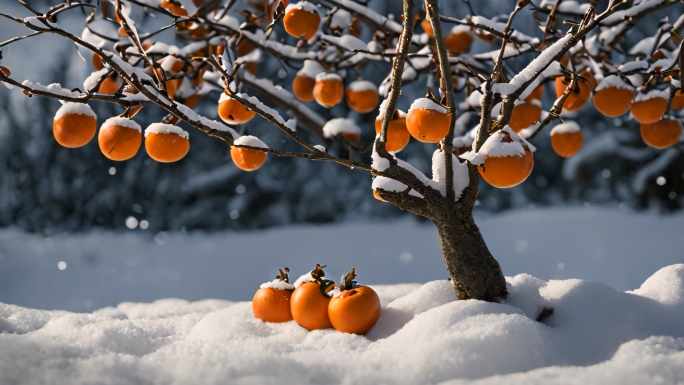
column 316, row 303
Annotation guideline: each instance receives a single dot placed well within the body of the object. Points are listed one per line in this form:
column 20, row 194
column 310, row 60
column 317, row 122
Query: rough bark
column 474, row 272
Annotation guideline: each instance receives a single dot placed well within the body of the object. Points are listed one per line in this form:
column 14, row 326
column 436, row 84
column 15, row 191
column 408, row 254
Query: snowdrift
column 595, row 335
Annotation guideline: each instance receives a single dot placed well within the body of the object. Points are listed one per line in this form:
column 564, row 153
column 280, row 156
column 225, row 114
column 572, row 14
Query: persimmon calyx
column 347, row 281
column 284, row 276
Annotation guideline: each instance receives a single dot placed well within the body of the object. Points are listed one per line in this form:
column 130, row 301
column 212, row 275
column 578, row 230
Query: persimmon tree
column 578, row 51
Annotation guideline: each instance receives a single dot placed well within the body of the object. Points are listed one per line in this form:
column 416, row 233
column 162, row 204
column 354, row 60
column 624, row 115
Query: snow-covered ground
column 617, row 248
column 626, row 328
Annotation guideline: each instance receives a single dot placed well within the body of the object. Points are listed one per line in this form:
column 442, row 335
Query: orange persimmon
column 345, row 128
column 613, row 97
column 97, row 61
column 302, row 88
column 271, row 303
column 328, row 90
column 355, row 309
column 677, row 101
column 579, row 95
column 301, row 20
column 537, row 94
column 524, row 115
column 566, row 139
column 74, row 125
column 110, row 85
column 661, row 134
column 232, row 111
column 166, row 143
column 305, row 80
column 119, row 138
column 650, row 107
column 398, row 135
column 309, row 302
column 505, row 167
column 428, row 121
column 362, row 96
column 248, row 159
column 427, row 27
column 459, row 40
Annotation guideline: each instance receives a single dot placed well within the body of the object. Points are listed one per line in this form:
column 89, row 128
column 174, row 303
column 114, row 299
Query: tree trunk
column 474, row 272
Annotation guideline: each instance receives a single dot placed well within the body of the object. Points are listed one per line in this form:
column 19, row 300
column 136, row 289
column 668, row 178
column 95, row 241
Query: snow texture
column 348, row 42
column 120, row 122
column 98, row 28
column 213, row 124
column 268, row 110
column 427, row 104
column 361, row 85
column 291, row 124
column 458, row 29
column 328, row 76
column 341, row 19
column 641, row 96
column 391, row 25
column 94, row 78
column 320, row 148
column 569, row 127
column 461, row 178
column 566, row 6
column 40, row 24
column 633, row 66
column 337, row 126
column 162, row 128
column 54, row 88
column 597, row 335
column 304, row 278
column 388, row 184
column 310, row 69
column 303, row 5
column 631, row 11
column 499, row 27
column 187, row 111
column 494, row 146
column 613, row 81
column 540, row 61
column 74, row 108
column 277, row 284
column 378, row 162
column 250, row 141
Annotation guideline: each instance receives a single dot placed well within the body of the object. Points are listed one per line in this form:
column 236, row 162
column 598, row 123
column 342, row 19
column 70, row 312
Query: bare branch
column 10, row 41
column 432, row 8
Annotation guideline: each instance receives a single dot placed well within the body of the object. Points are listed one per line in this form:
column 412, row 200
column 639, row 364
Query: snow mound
column 310, row 69
column 642, row 96
column 338, row 126
column 424, row 335
column 569, row 127
column 277, row 284
column 613, row 81
column 250, row 141
column 427, row 104
column 665, row 286
column 495, row 146
column 121, row 122
column 162, row 128
column 74, row 108
column 362, row 85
